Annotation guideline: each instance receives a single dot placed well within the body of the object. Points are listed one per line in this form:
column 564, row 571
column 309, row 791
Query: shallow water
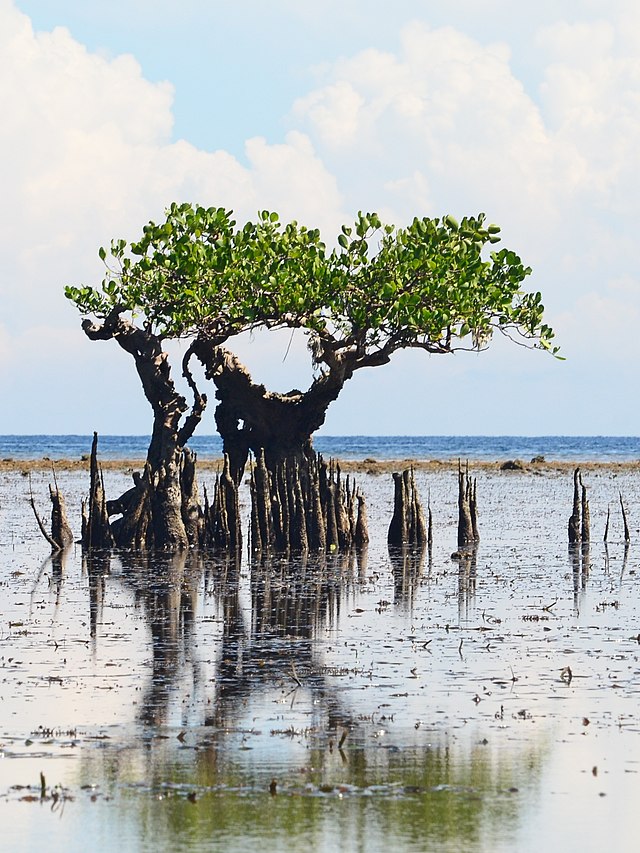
column 352, row 704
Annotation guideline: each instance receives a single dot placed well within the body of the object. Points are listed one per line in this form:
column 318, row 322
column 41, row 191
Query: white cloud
column 591, row 97
column 334, row 111
column 86, row 155
column 87, row 147
column 602, row 326
column 438, row 122
column 445, row 125
column 448, row 109
column 296, row 182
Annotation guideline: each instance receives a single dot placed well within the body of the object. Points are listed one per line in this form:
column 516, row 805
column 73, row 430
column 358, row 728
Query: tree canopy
column 437, row 284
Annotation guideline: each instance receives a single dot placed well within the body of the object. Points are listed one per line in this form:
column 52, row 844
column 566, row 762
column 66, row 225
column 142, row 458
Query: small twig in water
column 294, row 675
column 55, row 546
column 627, row 537
column 566, row 674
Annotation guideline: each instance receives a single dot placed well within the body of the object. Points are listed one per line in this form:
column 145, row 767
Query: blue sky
column 113, row 110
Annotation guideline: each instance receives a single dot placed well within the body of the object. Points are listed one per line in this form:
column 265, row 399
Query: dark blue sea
column 380, row 447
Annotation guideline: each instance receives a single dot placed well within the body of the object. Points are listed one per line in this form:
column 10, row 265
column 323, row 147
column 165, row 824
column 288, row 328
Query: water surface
column 360, row 702
column 384, row 447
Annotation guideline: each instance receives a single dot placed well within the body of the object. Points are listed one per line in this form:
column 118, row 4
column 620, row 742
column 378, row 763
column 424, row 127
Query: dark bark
column 55, row 546
column 192, row 514
column 262, row 504
column 627, row 536
column 467, row 509
column 586, row 518
column 131, row 531
column 251, row 419
column 222, row 517
column 408, row 525
column 304, row 506
column 61, row 535
column 398, row 532
column 157, row 512
column 575, row 525
column 96, row 529
column 297, row 503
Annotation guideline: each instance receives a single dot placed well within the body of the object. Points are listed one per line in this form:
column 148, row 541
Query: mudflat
column 485, row 701
column 369, row 466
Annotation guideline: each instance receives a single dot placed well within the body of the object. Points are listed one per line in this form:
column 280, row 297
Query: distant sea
column 379, row 447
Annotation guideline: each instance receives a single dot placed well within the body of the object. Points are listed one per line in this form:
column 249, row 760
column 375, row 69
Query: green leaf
column 403, row 289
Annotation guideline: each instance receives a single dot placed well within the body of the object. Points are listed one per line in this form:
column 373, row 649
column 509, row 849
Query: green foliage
column 430, row 285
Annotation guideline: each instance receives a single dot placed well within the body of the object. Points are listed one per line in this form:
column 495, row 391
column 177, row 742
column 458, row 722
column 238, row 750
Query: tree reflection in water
column 166, row 589
column 96, row 566
column 580, row 557
column 273, row 626
column 271, row 646
column 292, row 601
column 467, row 559
column 407, row 565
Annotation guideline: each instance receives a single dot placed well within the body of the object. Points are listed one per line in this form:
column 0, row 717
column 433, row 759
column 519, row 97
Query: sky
column 529, row 113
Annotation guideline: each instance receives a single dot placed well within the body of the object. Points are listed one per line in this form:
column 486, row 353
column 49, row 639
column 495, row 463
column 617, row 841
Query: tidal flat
column 369, row 701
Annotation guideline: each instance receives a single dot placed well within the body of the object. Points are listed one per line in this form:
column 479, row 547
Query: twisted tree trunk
column 298, row 503
column 251, row 419
column 158, row 512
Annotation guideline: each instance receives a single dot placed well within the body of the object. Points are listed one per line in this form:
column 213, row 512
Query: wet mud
column 484, row 697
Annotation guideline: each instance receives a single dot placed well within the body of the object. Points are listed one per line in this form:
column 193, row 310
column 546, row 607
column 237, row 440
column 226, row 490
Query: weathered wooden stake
column 60, row 528
column 473, row 508
column 398, row 533
column 97, row 531
column 222, row 517
column 304, row 505
column 61, row 535
column 362, row 523
column 192, row 514
column 467, row 508
column 627, row 537
column 585, row 528
column 575, row 527
column 408, row 525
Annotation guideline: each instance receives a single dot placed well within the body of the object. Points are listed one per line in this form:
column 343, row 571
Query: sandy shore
column 368, row 466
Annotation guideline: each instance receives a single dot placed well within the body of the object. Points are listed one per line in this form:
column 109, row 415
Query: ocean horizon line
column 585, row 448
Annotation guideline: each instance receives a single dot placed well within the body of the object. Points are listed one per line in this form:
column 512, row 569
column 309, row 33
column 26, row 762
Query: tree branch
column 199, row 402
